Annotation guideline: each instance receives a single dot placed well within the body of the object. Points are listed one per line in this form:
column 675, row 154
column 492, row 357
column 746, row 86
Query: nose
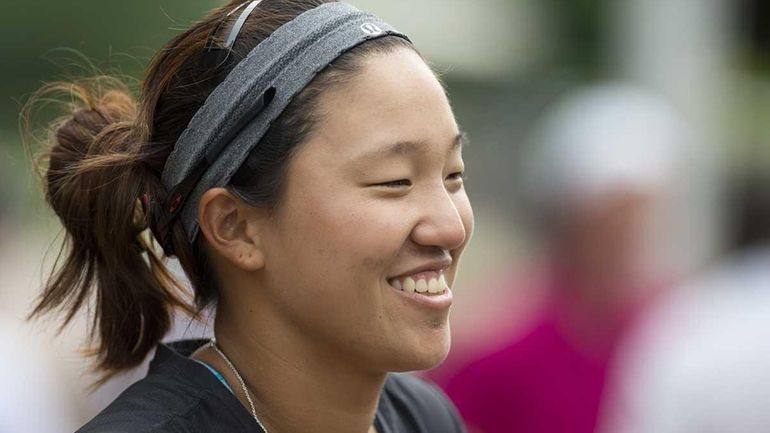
column 441, row 223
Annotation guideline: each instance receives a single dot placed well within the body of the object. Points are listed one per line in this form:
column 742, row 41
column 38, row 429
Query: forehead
column 395, row 98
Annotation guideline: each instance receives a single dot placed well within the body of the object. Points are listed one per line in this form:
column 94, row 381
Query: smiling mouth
column 424, row 283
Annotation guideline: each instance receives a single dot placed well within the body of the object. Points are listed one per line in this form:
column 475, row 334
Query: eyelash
column 460, row 175
column 396, row 183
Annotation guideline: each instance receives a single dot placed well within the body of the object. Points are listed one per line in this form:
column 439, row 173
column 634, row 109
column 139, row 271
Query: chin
column 425, row 354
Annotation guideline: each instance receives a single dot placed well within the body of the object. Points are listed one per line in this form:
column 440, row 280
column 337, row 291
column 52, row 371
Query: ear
column 232, row 228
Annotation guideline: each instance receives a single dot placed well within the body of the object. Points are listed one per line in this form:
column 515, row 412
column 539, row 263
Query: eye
column 400, row 183
column 458, row 175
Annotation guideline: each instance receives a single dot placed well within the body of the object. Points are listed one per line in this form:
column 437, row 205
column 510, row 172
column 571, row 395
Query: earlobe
column 251, row 260
column 231, row 229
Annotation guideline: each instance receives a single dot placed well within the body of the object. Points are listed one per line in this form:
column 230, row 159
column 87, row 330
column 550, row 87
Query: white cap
column 603, row 139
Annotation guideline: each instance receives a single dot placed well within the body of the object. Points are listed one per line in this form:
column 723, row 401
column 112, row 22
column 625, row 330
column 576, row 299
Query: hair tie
column 161, row 232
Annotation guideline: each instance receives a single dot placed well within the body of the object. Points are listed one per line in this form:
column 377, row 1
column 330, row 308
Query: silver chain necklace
column 213, row 344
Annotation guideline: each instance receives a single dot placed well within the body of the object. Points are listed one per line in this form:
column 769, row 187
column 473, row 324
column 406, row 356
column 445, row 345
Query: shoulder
column 420, row 405
column 178, row 395
column 152, row 405
column 410, row 387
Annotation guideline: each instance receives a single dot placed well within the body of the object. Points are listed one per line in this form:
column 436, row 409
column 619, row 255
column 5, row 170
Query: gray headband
column 238, row 113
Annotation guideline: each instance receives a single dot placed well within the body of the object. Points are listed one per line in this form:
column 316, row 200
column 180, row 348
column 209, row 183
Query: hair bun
column 83, row 120
column 88, row 149
column 91, row 116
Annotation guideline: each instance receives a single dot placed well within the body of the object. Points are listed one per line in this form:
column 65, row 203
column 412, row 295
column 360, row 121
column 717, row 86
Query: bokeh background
column 507, row 64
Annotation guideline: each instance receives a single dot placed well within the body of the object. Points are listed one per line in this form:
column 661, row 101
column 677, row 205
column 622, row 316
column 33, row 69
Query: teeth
column 409, row 285
column 422, row 286
column 433, row 286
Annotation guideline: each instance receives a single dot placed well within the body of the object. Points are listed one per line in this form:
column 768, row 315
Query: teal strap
column 217, row 374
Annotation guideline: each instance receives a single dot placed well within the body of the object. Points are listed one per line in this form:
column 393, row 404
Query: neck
column 296, row 385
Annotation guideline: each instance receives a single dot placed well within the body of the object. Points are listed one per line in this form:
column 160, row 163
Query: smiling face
column 374, row 211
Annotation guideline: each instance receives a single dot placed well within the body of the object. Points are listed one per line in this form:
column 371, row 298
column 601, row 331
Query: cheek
column 356, row 234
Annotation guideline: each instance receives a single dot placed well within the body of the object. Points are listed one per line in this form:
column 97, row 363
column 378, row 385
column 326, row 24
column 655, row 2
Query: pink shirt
column 550, row 379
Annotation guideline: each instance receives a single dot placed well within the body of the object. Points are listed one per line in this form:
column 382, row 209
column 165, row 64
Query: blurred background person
column 598, row 185
column 699, row 361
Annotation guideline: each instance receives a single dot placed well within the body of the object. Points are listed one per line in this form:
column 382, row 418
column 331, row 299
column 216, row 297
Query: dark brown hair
column 110, row 151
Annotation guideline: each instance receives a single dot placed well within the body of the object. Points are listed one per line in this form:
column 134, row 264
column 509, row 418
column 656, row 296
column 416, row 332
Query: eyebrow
column 403, row 148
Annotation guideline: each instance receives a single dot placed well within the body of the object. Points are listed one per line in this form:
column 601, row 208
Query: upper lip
column 436, row 265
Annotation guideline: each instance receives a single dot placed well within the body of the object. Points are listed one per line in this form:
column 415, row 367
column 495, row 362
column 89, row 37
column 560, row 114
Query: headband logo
column 371, row 29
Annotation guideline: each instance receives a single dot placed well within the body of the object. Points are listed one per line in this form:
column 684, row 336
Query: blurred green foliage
column 41, row 39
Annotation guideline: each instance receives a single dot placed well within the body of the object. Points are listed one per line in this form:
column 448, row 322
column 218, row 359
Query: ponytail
column 94, row 176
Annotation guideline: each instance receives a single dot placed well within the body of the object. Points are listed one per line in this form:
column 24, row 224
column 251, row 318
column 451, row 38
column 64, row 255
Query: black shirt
column 181, row 395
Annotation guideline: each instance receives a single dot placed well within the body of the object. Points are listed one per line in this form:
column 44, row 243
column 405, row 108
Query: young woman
column 302, row 162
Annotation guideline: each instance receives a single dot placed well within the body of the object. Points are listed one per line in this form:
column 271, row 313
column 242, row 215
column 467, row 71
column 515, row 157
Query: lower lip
column 436, row 302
